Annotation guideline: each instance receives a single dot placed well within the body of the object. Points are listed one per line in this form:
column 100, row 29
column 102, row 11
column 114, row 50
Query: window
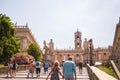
column 77, row 54
column 77, row 36
column 68, row 54
column 104, row 53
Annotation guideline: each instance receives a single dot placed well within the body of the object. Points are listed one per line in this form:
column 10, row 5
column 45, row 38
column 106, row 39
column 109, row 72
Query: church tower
column 77, row 41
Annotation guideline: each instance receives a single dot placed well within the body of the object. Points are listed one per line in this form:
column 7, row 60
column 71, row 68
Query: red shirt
column 31, row 66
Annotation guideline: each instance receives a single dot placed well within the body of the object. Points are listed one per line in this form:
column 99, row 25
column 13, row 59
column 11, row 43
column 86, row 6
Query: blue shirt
column 46, row 65
column 69, row 68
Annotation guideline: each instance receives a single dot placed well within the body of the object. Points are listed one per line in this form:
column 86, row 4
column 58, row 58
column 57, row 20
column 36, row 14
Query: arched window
column 104, row 53
column 68, row 54
column 77, row 43
column 77, row 54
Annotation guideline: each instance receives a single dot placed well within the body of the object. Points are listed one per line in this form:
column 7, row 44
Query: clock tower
column 77, row 41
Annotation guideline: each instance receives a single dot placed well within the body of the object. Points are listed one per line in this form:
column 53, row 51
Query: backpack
column 46, row 65
column 37, row 63
column 54, row 74
column 14, row 66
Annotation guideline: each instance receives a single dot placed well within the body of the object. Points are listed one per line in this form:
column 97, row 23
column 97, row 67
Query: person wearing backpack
column 46, row 66
column 55, row 71
column 38, row 68
column 14, row 68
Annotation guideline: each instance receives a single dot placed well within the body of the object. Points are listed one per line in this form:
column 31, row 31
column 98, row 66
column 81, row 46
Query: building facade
column 25, row 36
column 116, row 46
column 80, row 53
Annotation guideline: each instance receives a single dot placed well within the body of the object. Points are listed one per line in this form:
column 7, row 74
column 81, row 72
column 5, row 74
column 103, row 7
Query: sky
column 60, row 19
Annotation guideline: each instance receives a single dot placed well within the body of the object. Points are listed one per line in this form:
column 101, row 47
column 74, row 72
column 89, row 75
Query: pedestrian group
column 12, row 68
column 68, row 70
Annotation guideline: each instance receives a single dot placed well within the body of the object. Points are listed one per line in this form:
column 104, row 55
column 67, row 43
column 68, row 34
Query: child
column 55, row 71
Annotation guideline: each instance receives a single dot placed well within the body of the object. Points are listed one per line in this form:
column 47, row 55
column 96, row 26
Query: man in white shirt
column 38, row 68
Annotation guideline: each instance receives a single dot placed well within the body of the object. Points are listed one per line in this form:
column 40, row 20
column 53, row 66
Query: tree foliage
column 35, row 51
column 9, row 44
column 7, row 28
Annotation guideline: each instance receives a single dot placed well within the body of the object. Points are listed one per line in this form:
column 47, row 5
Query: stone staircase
column 22, row 75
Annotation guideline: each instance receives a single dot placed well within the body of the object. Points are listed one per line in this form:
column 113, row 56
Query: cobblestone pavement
column 22, row 75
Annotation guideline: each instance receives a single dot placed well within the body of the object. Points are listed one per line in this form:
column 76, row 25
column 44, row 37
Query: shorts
column 31, row 70
column 38, row 70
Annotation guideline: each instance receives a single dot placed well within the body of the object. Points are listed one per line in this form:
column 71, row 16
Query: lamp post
column 91, row 60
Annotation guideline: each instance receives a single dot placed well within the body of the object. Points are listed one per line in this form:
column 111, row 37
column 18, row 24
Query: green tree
column 1, row 48
column 9, row 44
column 35, row 51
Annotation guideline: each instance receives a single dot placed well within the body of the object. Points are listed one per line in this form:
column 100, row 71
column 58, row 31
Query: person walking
column 55, row 71
column 14, row 68
column 46, row 66
column 31, row 69
column 9, row 68
column 69, row 69
column 80, row 67
column 38, row 68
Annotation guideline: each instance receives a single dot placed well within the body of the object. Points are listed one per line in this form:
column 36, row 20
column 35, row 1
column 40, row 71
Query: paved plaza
column 22, row 75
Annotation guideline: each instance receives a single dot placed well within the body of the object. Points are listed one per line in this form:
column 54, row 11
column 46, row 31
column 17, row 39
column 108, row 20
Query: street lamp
column 91, row 61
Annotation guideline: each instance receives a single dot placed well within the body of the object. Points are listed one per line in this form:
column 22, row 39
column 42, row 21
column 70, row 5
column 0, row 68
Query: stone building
column 116, row 46
column 101, row 54
column 79, row 53
column 25, row 35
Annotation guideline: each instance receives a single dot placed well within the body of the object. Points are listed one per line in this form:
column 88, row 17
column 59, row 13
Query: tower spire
column 77, row 30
